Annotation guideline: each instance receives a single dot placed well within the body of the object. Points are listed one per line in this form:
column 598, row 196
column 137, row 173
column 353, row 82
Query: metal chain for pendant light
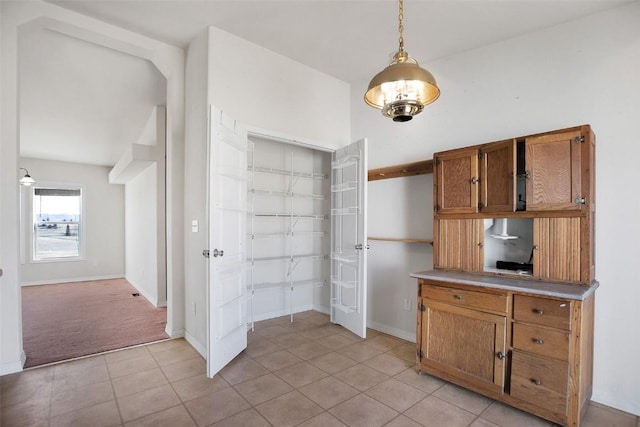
column 400, row 26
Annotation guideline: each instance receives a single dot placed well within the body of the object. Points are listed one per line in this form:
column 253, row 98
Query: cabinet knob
column 458, row 297
column 538, row 311
column 536, row 381
column 501, row 355
column 537, row 340
column 475, row 180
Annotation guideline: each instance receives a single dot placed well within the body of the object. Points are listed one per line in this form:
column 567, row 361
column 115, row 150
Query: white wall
column 260, row 96
column 195, row 208
column 15, row 17
column 141, row 201
column 102, row 221
column 266, row 90
column 145, row 242
column 398, row 208
column 585, row 71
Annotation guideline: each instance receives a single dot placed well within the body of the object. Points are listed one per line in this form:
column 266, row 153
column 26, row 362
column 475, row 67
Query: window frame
column 81, row 223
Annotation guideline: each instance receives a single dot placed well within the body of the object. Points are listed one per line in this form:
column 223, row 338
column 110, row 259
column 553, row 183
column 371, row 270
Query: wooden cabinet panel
column 547, row 179
column 447, row 329
column 536, row 379
column 557, row 251
column 541, row 363
column 542, row 311
column 459, row 245
column 464, row 298
column 554, row 171
column 543, row 341
column 497, row 177
column 456, row 179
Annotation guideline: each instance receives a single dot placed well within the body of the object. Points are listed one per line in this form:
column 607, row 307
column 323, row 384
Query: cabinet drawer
column 464, row 298
column 546, row 342
column 540, row 381
column 542, row 311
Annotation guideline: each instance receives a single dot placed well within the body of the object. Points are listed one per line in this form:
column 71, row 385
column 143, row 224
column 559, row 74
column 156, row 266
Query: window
column 57, row 223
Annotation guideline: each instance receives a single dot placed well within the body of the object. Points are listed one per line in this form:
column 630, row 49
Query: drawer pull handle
column 537, row 340
column 538, row 311
column 536, row 381
column 501, row 355
column 458, row 297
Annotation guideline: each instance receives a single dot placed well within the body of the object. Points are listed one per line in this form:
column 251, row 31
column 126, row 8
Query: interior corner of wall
column 174, row 333
column 195, row 344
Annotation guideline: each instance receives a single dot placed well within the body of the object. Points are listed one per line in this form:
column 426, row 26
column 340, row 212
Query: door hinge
column 480, row 155
column 423, row 307
column 581, row 201
column 206, row 253
column 480, row 205
column 579, row 139
column 436, row 208
column 420, row 353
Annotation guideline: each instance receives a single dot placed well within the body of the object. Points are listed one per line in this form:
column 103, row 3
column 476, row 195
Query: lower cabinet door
column 464, row 345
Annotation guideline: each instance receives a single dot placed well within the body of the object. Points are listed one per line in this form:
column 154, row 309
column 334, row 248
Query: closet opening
column 288, row 229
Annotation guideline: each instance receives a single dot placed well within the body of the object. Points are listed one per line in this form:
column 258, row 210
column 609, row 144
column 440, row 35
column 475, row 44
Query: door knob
column 217, row 253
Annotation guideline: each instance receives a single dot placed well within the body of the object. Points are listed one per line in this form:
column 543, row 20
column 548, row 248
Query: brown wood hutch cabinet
column 518, row 331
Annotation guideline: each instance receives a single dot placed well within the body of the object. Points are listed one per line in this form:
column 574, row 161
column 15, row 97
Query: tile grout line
column 182, row 402
column 446, row 397
column 360, row 392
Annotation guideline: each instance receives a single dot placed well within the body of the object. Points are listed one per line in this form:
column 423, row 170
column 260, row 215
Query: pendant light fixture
column 403, row 88
column 26, row 180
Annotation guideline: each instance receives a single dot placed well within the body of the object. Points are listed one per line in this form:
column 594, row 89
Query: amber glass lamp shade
column 402, row 89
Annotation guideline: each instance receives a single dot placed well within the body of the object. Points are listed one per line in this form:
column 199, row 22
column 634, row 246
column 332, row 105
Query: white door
column 349, row 238
column 227, row 290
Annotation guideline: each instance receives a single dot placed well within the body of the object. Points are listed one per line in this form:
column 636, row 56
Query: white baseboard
column 195, row 344
column 13, row 367
column 72, row 279
column 398, row 333
column 152, row 300
column 321, row 309
column 178, row 333
column 283, row 312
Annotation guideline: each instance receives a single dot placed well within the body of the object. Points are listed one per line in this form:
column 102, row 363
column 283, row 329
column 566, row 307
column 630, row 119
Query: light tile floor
column 306, row 373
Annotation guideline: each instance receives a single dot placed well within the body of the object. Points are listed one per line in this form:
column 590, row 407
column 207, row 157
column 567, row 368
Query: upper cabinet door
column 456, row 181
column 459, row 245
column 553, row 170
column 497, row 189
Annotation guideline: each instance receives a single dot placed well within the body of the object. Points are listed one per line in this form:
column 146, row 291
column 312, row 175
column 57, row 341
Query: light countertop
column 536, row 287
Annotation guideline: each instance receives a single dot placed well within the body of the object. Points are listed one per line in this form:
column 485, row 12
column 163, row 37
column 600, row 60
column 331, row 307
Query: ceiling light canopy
column 26, row 180
column 403, row 88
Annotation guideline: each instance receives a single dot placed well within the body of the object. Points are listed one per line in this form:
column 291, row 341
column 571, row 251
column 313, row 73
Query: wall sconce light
column 26, row 180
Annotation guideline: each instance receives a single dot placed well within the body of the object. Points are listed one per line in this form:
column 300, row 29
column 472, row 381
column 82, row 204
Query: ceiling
column 98, row 103
column 80, row 102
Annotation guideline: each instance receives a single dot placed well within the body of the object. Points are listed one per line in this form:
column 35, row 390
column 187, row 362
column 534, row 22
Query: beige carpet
column 69, row 320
